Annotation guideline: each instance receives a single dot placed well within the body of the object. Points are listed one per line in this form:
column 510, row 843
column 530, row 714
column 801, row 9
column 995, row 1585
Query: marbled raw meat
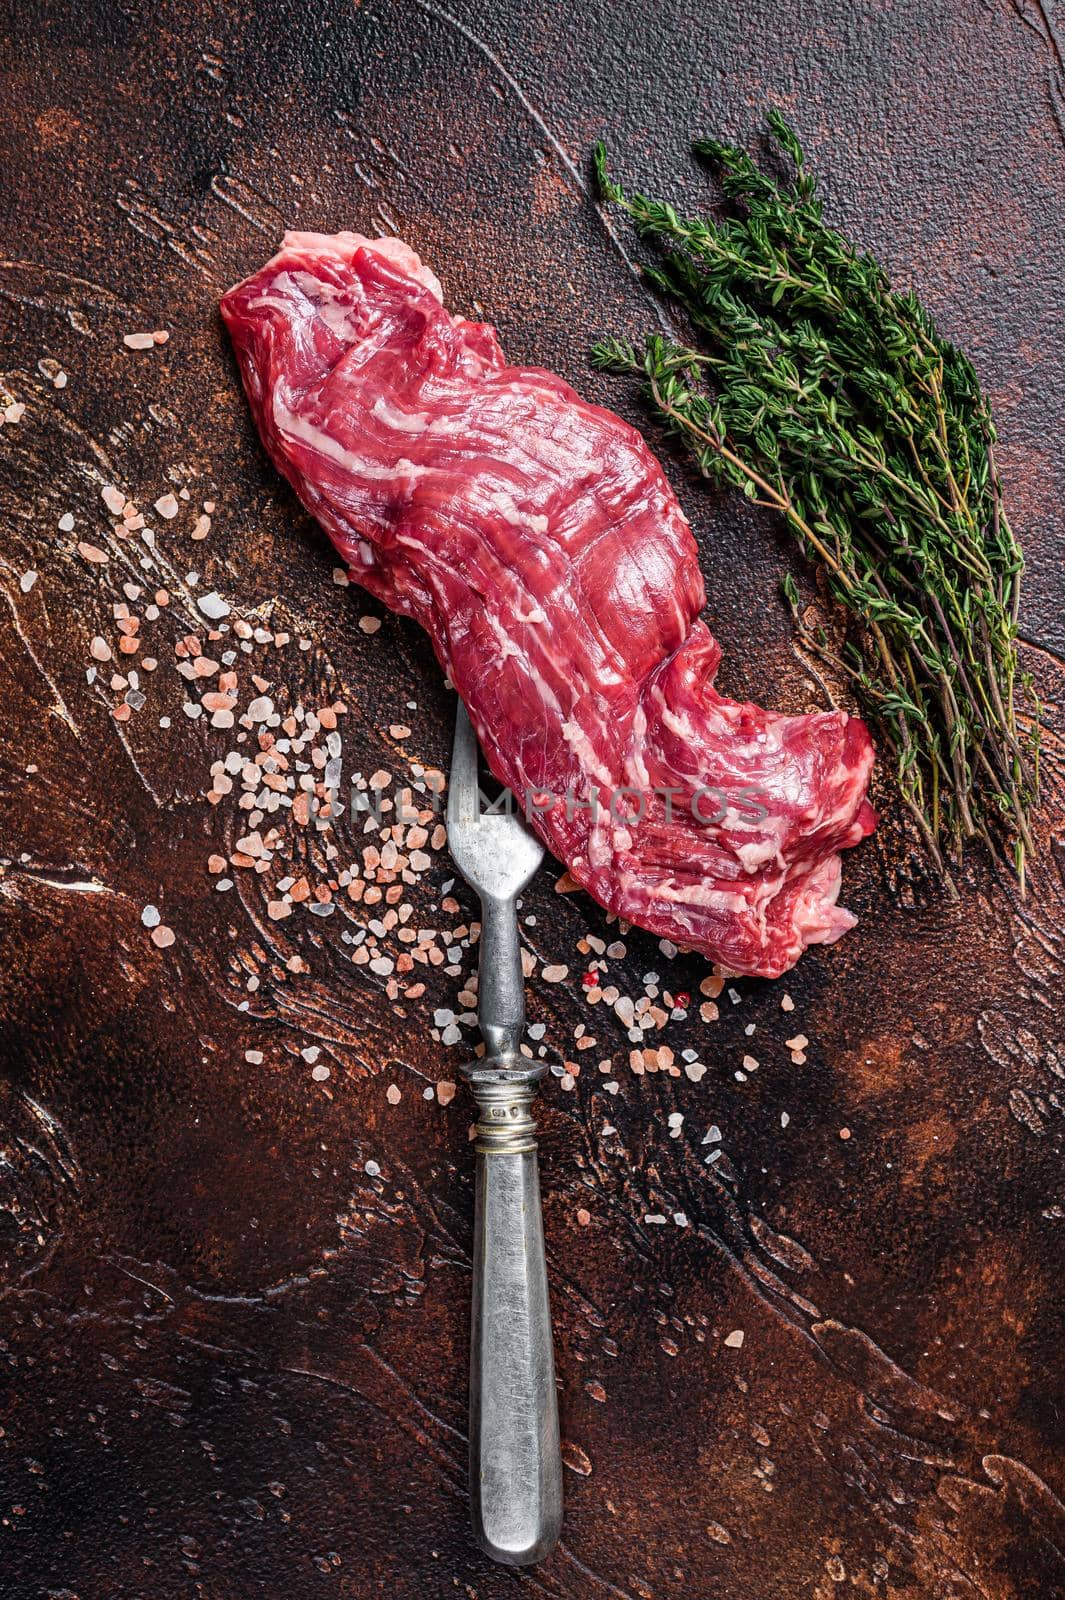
column 537, row 540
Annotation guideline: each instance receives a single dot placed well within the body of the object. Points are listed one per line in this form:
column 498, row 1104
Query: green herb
column 817, row 390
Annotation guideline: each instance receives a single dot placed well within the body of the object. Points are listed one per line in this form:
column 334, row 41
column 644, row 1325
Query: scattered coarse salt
column 162, row 936
column 399, row 730
column 695, row 1070
column 445, row 1091
column 66, row 522
column 320, row 1073
column 254, row 1058
column 750, row 1063
column 393, row 1094
column 138, row 341
column 27, row 581
column 113, row 499
column 787, row 1003
column 340, row 578
column 92, row 552
column 201, row 527
column 734, row 1340
column 372, row 1169
column 14, row 412
column 213, row 606
column 150, row 916
column 167, row 506
column 369, row 624
column 799, row 1042
column 844, row 1133
column 310, row 1053
column 555, row 974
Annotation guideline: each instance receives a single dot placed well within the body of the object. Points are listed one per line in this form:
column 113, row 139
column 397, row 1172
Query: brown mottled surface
column 234, row 1361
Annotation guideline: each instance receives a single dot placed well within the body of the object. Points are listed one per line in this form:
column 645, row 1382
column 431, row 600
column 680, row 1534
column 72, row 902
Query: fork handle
column 515, row 1460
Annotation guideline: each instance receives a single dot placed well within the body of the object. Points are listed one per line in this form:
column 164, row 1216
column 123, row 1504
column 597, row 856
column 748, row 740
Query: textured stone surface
column 235, row 1360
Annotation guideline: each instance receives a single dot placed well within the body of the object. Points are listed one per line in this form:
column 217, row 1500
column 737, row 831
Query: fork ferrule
column 504, row 1095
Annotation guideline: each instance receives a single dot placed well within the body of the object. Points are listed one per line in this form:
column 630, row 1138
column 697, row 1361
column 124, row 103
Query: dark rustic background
column 234, row 1361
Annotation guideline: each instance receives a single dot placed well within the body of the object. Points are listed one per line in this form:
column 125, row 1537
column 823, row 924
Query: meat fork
column 515, row 1461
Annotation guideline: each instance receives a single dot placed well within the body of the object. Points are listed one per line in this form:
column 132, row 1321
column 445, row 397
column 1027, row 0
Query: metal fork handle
column 515, row 1458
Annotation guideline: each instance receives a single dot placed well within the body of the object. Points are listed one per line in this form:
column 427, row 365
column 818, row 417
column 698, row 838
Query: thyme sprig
column 816, row 389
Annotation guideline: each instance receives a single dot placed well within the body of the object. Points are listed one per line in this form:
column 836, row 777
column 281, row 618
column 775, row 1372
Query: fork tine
column 462, row 780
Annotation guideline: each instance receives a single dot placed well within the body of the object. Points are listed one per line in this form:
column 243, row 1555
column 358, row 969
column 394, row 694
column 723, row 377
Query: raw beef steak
column 537, row 540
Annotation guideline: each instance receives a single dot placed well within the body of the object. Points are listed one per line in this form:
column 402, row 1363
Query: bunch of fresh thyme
column 817, row 390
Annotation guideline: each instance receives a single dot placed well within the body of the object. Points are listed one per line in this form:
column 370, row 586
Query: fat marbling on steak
column 536, row 539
